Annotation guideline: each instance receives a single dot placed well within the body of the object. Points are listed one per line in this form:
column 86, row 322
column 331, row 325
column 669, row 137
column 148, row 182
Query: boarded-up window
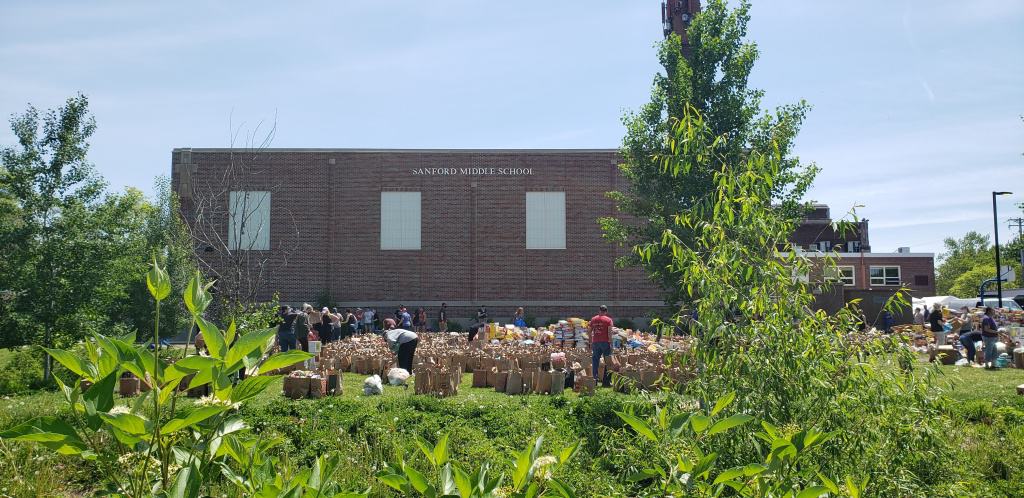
column 399, row 221
column 249, row 223
column 545, row 220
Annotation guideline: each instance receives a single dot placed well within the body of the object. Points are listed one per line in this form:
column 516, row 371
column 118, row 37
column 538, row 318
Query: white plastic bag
column 372, row 385
column 962, row 362
column 397, row 376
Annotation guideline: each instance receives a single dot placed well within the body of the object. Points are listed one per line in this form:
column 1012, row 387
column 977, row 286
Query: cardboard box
column 129, row 386
column 296, row 387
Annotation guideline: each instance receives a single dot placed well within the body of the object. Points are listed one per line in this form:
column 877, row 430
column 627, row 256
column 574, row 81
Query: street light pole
column 995, row 220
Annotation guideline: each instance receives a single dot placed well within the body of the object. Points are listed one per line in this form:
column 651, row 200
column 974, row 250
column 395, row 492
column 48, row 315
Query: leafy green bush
column 22, row 372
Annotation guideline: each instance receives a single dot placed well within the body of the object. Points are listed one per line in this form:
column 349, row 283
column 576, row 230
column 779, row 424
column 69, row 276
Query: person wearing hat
column 600, row 340
column 402, row 342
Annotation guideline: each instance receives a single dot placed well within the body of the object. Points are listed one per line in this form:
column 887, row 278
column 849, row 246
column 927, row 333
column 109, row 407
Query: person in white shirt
column 402, row 342
column 368, row 320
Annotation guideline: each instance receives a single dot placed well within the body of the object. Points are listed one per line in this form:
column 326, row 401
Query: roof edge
column 379, row 150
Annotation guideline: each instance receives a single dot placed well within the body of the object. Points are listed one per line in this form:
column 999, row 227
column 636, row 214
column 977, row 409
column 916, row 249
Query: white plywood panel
column 400, row 221
column 249, row 224
column 545, row 220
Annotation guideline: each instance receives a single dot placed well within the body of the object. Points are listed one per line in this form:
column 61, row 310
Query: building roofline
column 380, row 150
column 867, row 255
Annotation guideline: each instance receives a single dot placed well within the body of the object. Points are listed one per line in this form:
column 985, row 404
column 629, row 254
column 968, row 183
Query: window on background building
column 842, row 274
column 249, row 221
column 400, row 221
column 885, row 275
column 545, row 220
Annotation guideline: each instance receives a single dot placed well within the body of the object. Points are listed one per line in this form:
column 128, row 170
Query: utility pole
column 1019, row 224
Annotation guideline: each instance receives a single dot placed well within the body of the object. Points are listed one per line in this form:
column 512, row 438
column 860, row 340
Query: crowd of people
column 957, row 325
column 299, row 326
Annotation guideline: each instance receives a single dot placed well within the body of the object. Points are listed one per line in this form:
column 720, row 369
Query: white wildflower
column 212, row 400
column 542, row 467
column 120, row 409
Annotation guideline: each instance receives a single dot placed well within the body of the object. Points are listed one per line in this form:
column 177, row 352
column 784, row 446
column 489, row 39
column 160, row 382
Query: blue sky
column 916, row 113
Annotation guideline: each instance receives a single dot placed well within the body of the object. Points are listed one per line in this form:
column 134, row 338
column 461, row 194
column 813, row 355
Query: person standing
column 350, row 323
column 989, row 336
column 406, row 318
column 519, row 318
column 324, row 328
column 937, row 322
column 419, row 321
column 285, row 331
column 600, row 341
column 481, row 315
column 918, row 317
column 302, row 326
column 442, row 318
column 401, row 342
column 368, row 320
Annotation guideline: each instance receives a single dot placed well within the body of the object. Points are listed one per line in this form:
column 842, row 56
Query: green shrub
column 22, row 372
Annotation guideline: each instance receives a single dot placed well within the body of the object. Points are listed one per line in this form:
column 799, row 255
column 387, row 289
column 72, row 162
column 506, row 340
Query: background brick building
column 501, row 228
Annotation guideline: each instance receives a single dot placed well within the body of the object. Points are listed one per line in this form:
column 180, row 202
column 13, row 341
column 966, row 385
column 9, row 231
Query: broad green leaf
column 441, row 451
column 418, row 480
column 561, row 488
column 202, row 377
column 246, row 344
column 829, row 483
column 462, row 481
column 425, row 448
column 127, row 422
column 70, row 361
column 99, row 398
column 195, row 362
column 186, row 484
column 728, row 423
column 723, row 402
column 729, row 475
column 812, row 492
column 50, row 432
column 197, row 298
column 213, row 337
column 281, row 360
column 699, row 422
column 198, row 415
column 251, row 387
column 394, row 481
column 638, row 425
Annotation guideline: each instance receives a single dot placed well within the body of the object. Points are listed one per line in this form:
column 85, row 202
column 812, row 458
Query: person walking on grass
column 600, row 341
column 402, row 342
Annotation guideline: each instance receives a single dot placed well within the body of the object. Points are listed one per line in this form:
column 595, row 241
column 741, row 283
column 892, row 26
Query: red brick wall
column 473, row 233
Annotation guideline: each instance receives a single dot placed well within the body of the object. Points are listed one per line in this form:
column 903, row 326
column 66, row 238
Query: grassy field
column 484, row 425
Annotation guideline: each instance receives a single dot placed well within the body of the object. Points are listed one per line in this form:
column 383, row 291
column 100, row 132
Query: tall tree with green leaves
column 714, row 82
column 70, row 250
column 959, row 257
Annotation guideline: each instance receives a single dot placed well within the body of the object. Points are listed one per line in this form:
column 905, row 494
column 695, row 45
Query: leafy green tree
column 162, row 232
column 53, row 184
column 714, row 82
column 960, row 256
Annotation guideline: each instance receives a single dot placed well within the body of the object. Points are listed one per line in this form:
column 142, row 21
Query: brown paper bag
column 479, row 378
column 296, row 387
column 334, row 385
column 528, row 376
column 492, row 377
column 129, row 386
column 317, row 387
column 586, row 385
column 542, row 382
column 515, row 383
column 500, row 381
column 557, row 382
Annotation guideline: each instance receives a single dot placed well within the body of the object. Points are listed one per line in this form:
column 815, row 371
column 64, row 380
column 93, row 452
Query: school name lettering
column 472, row 171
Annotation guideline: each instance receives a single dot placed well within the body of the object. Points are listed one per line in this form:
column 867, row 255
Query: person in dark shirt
column 442, row 318
column 286, row 330
column 937, row 323
column 989, row 336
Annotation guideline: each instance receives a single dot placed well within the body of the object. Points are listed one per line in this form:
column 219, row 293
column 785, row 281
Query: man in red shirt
column 600, row 340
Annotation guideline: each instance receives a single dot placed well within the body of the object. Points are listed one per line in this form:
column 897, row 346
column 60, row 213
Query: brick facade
column 325, row 212
column 473, row 242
